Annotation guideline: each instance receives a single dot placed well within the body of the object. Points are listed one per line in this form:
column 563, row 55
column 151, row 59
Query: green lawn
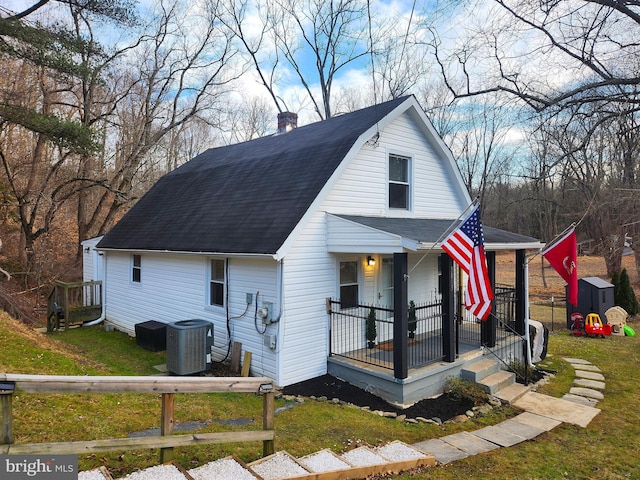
column 604, row 450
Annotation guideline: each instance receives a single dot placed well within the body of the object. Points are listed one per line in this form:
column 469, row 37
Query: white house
column 257, row 237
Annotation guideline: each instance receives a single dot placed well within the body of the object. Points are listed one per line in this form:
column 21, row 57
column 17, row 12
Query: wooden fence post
column 167, row 424
column 268, row 414
column 6, row 413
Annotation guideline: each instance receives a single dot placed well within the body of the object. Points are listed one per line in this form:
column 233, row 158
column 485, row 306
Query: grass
column 604, row 450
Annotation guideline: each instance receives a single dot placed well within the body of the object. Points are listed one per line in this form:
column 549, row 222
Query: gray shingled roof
column 243, row 198
column 428, row 230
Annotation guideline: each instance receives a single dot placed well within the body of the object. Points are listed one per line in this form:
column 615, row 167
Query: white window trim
column 410, row 181
column 133, row 267
column 359, row 275
column 208, row 304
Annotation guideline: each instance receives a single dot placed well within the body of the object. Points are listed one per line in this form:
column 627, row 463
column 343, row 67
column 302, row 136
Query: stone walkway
column 541, row 414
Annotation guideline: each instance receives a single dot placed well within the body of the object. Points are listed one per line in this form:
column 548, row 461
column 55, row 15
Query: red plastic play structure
column 592, row 326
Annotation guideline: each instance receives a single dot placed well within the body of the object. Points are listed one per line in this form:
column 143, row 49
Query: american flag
column 465, row 246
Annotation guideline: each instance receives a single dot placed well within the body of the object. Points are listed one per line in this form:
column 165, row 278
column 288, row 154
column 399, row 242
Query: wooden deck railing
column 76, row 303
column 167, row 386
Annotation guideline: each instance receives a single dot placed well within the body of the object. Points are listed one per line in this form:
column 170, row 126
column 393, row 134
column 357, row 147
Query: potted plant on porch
column 412, row 320
column 371, row 329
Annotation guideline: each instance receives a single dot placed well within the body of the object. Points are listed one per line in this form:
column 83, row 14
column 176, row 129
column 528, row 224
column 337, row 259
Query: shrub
column 460, row 389
column 413, row 321
column 624, row 296
column 372, row 331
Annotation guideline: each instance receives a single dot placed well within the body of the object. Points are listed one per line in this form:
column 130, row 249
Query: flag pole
column 528, row 259
column 445, row 233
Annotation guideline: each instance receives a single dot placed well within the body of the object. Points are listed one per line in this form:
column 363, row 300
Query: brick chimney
column 287, row 121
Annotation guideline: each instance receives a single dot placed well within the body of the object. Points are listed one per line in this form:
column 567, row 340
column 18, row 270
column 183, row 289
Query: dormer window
column 399, row 186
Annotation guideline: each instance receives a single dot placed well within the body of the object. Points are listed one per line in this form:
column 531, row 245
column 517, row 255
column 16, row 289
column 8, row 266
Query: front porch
column 410, row 359
column 405, row 261
column 430, row 378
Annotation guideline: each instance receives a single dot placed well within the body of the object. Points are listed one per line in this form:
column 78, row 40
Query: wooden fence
column 167, row 386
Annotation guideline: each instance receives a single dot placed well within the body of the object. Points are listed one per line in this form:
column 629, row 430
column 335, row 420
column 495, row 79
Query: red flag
column 466, row 246
column 563, row 256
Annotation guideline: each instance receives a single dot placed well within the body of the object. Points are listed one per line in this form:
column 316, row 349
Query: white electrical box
column 270, row 341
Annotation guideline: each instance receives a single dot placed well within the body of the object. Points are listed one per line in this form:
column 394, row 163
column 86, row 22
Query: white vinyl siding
column 175, row 288
column 363, row 187
column 91, row 260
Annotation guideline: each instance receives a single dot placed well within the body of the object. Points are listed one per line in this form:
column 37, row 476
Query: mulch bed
column 443, row 407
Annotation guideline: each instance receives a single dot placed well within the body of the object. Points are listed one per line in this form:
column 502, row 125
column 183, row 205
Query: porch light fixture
column 371, row 261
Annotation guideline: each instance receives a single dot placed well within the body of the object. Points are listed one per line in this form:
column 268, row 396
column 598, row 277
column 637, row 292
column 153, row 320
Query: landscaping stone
column 591, row 402
column 470, row 443
column 590, row 368
column 577, row 361
column 590, row 375
column 587, row 392
column 582, row 382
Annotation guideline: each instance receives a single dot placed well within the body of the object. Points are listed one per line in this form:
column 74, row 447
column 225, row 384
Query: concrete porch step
column 511, row 393
column 497, row 381
column 479, row 370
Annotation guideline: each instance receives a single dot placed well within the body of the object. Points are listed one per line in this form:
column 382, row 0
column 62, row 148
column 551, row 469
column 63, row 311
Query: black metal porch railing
column 349, row 329
column 352, row 334
column 511, row 346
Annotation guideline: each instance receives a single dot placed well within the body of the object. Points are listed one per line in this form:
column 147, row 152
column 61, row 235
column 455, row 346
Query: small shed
column 595, row 295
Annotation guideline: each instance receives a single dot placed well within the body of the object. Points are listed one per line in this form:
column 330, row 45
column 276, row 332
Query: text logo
column 39, row 467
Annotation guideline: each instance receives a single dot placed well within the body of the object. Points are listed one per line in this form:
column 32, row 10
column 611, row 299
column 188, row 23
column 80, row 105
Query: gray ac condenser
column 189, row 346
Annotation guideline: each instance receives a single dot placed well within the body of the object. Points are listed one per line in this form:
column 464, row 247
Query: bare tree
column 86, row 133
column 578, row 64
column 42, row 135
column 178, row 74
column 314, row 39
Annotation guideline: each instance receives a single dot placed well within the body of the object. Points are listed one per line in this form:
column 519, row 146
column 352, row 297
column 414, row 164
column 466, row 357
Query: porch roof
column 353, row 233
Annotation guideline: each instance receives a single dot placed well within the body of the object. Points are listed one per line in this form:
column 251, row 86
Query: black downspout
column 448, row 309
column 400, row 316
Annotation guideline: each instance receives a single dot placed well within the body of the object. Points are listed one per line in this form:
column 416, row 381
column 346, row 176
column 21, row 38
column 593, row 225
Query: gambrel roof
column 248, row 198
column 243, row 198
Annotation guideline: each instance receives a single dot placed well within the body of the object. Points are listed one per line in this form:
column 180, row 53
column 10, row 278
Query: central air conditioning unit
column 189, row 345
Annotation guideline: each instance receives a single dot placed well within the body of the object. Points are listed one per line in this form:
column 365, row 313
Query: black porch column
column 489, row 326
column 520, row 292
column 448, row 309
column 400, row 316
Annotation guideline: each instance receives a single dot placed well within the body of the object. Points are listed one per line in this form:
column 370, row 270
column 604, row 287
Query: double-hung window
column 216, row 282
column 136, row 268
column 349, row 296
column 399, row 182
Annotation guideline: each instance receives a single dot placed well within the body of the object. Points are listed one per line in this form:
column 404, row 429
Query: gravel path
column 324, row 461
column 280, row 465
column 225, row 468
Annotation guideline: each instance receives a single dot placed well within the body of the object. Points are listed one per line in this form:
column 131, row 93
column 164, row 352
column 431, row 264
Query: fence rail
column 167, row 386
